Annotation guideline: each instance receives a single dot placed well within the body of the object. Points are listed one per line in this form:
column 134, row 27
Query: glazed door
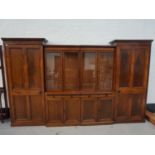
column 131, row 82
column 25, row 75
column 97, row 69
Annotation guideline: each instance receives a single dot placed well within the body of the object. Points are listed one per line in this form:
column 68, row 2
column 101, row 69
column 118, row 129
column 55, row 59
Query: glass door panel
column 105, row 71
column 53, row 71
column 89, row 71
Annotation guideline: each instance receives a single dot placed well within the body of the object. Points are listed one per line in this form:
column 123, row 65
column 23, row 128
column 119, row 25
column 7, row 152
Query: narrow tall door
column 131, row 79
column 24, row 67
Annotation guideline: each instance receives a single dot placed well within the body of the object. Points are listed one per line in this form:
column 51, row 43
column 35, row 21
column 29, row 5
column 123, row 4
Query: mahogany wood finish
column 59, row 85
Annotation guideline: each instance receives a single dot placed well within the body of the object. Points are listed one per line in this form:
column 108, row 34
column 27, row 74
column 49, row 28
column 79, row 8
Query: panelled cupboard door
column 105, row 109
column 54, row 110
column 27, row 109
column 25, row 67
column 130, row 107
column 72, row 110
column 132, row 70
column 88, row 110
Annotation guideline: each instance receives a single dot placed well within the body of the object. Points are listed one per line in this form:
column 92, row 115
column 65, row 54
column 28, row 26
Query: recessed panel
column 125, row 64
column 139, row 68
column 17, row 64
column 34, row 67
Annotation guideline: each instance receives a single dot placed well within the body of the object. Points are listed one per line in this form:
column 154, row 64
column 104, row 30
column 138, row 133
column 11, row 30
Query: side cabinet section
column 25, row 76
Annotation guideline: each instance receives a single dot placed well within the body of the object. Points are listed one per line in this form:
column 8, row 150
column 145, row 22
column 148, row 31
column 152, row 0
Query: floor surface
column 115, row 129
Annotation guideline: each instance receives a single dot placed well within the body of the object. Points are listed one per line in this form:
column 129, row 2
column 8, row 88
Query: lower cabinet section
column 61, row 110
column 76, row 110
column 27, row 110
column 129, row 107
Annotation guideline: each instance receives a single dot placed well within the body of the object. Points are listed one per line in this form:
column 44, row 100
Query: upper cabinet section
column 24, row 63
column 79, row 69
column 132, row 63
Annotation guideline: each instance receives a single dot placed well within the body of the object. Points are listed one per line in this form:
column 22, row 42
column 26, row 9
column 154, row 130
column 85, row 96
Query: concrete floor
column 115, row 129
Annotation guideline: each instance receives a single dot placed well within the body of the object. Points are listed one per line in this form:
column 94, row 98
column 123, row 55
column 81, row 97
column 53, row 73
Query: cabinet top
column 131, row 41
column 24, row 40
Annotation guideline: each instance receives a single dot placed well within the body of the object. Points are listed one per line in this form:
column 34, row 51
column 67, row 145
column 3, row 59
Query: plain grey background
column 78, row 32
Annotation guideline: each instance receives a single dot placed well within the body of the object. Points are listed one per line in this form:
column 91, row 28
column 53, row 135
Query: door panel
column 105, row 109
column 89, row 110
column 139, row 67
column 37, row 108
column 137, row 107
column 53, row 71
column 20, row 108
column 54, row 110
column 34, row 65
column 125, row 67
column 72, row 110
column 71, row 71
column 17, row 67
column 123, row 106
column 105, row 70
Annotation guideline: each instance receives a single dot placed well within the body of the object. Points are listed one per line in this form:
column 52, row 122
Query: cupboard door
column 71, row 70
column 28, row 109
column 88, row 110
column 130, row 107
column 16, row 67
column 123, row 107
column 72, row 110
column 34, row 67
column 54, row 111
column 53, row 71
column 89, row 71
column 105, row 109
column 21, row 110
column 105, row 70
column 133, row 67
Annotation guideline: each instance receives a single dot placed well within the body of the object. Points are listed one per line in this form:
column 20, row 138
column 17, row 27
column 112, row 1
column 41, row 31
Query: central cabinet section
column 79, row 85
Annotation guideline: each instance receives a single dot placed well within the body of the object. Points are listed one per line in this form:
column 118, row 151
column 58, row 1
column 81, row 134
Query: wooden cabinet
column 131, row 79
column 24, row 63
column 61, row 85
